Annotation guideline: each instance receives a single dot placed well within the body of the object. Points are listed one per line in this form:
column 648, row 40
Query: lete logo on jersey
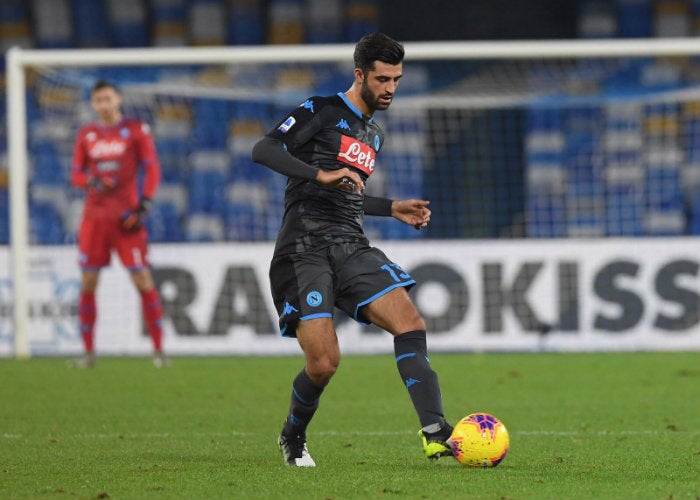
column 356, row 154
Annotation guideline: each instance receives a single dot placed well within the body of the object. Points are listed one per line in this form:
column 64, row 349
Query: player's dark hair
column 377, row 47
column 103, row 84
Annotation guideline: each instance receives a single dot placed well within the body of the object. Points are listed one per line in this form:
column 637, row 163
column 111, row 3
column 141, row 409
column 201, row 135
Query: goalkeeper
column 322, row 259
column 106, row 162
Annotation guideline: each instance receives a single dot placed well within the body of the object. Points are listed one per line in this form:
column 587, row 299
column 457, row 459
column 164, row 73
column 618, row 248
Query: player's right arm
column 79, row 170
column 273, row 154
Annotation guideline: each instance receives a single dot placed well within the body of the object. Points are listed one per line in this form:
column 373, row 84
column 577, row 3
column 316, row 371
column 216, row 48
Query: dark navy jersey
column 328, row 133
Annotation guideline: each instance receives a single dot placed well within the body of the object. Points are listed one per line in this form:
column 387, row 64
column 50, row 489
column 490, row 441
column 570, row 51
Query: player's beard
column 371, row 100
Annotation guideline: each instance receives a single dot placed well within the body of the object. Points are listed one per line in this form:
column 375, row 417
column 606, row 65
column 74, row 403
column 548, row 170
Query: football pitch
column 621, row 426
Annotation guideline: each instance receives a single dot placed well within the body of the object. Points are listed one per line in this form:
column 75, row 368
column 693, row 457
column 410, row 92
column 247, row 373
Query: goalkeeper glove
column 133, row 219
column 103, row 184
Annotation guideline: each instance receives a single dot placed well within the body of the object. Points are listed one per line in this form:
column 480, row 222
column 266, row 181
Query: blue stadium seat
column 625, row 210
column 14, row 26
column 545, row 216
column 164, row 223
column 53, row 27
column 634, row 19
column 46, row 225
column 246, row 22
column 404, row 173
column 207, row 22
column 169, row 22
column 129, row 23
column 244, row 222
column 664, row 188
column 210, row 130
column 204, row 228
column 47, row 169
column 245, row 169
column 361, row 17
column 207, row 191
column 324, row 21
column 664, row 202
column 91, row 23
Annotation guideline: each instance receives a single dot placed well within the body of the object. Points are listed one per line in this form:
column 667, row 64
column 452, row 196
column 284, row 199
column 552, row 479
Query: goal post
column 452, row 106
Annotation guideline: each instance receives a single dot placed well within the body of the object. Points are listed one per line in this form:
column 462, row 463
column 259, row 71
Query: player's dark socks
column 153, row 315
column 87, row 314
column 303, row 405
column 420, row 380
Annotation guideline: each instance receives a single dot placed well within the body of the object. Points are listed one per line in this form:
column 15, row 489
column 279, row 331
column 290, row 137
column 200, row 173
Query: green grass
column 581, row 425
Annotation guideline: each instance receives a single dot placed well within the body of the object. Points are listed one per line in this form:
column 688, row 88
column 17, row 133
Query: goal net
column 558, row 145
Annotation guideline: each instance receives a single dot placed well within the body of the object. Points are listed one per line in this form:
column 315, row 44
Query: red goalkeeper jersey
column 114, row 155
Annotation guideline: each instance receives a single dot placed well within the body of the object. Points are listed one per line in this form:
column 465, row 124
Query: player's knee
column 414, row 321
column 89, row 282
column 321, row 371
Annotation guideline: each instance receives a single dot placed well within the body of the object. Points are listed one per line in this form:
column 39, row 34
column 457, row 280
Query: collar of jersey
column 353, row 108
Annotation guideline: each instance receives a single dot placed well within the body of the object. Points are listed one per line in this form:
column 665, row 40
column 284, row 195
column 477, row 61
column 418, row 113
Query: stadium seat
column 14, row 26
column 625, row 209
column 285, row 21
column 545, row 215
column 244, row 222
column 361, row 17
column 207, row 22
column 252, row 193
column 405, row 175
column 173, row 194
column 129, row 23
column 207, row 191
column 203, row 227
column 169, row 22
column 664, row 202
column 45, row 225
column 210, row 127
column 164, row 223
column 246, row 22
column 324, row 21
column 672, row 19
column 246, row 170
column 51, row 195
column 47, row 169
column 597, row 20
column 53, row 27
column 210, row 160
column 634, row 19
column 91, row 23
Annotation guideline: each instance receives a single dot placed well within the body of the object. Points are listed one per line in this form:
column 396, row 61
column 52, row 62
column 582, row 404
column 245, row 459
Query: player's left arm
column 152, row 174
column 149, row 162
column 412, row 212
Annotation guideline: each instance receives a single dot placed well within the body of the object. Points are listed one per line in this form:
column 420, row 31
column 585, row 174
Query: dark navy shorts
column 345, row 275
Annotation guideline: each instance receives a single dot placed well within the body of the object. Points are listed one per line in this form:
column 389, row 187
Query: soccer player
column 106, row 162
column 322, row 259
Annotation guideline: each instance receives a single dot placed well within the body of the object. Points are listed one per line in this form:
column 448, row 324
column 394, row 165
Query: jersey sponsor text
column 356, row 154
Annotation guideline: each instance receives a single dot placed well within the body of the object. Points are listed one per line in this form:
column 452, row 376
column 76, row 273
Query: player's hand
column 343, row 178
column 103, row 184
column 133, row 219
column 413, row 212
